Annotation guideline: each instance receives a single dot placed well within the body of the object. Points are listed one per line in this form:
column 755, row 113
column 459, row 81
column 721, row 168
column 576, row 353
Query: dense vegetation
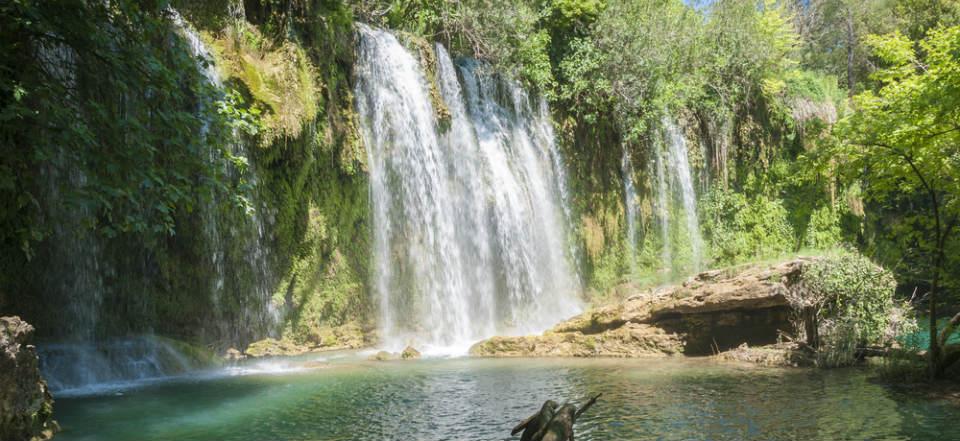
column 812, row 125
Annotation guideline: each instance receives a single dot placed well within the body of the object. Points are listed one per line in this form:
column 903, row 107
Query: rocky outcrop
column 410, row 353
column 26, row 406
column 709, row 313
column 629, row 340
column 324, row 339
column 785, row 354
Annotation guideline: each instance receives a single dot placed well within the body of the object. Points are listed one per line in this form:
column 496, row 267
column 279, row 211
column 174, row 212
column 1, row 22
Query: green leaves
column 852, row 289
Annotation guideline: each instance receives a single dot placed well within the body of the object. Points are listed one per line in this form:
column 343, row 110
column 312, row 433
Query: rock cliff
column 711, row 312
column 26, row 406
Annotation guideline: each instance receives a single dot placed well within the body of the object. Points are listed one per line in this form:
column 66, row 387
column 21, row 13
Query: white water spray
column 675, row 179
column 630, row 207
column 470, row 237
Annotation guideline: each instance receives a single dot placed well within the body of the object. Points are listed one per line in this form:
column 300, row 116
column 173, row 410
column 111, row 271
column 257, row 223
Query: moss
column 428, row 61
column 277, row 75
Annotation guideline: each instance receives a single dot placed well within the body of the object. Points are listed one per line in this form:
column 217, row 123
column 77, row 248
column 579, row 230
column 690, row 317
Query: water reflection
column 465, row 399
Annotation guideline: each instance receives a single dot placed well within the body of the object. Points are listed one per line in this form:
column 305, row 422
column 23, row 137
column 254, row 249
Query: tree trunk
column 851, row 41
column 811, row 327
column 940, row 237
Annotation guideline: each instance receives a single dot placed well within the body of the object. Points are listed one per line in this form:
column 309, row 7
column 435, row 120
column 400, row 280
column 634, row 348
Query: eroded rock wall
column 26, row 406
column 711, row 312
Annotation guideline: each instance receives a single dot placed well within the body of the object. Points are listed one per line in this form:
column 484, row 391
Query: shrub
column 845, row 302
column 740, row 229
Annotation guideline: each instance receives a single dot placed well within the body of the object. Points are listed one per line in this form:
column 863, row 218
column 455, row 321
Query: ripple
column 468, row 399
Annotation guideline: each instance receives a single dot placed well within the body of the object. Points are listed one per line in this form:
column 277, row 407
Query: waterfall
column 630, row 208
column 663, row 207
column 79, row 368
column 675, row 179
column 255, row 252
column 470, row 232
column 87, row 361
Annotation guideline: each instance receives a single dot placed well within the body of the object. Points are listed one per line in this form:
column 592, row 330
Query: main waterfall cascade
column 470, row 219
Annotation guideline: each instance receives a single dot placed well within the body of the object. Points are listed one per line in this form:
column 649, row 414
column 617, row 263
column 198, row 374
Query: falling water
column 663, row 208
column 674, row 177
column 630, row 207
column 86, row 362
column 254, row 248
column 91, row 367
column 469, row 231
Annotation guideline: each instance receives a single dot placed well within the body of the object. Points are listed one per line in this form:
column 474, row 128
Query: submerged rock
column 26, row 406
column 383, row 356
column 709, row 313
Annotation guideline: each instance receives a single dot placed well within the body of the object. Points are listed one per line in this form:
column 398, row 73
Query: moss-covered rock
column 270, row 347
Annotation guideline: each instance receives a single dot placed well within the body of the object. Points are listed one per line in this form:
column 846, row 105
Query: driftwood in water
column 536, row 422
column 558, row 427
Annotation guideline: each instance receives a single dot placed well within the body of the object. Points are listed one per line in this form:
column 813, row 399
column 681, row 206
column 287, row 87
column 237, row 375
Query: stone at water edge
column 26, row 406
column 410, row 353
column 233, row 355
column 382, row 356
column 270, row 347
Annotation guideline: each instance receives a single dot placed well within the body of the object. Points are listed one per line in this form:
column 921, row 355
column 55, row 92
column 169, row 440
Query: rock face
column 26, row 406
column 711, row 312
column 322, row 339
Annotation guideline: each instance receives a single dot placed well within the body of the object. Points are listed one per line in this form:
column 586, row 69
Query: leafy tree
column 905, row 138
column 97, row 112
column 833, row 34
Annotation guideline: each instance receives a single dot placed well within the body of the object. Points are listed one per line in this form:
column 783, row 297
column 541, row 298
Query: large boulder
column 710, row 312
column 26, row 406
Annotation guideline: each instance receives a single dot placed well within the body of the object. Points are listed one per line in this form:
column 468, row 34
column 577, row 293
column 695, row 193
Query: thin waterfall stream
column 630, row 208
column 674, row 180
column 87, row 361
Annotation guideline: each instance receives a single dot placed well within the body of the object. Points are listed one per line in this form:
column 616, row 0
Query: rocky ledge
column 26, row 406
column 350, row 336
column 712, row 312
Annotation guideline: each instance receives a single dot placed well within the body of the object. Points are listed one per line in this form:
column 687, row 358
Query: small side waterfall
column 262, row 314
column 675, row 180
column 470, row 233
column 630, row 208
column 236, row 244
column 91, row 367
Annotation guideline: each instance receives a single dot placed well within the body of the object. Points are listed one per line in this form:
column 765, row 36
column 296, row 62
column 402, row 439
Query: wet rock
column 709, row 313
column 409, row 353
column 233, row 355
column 26, row 406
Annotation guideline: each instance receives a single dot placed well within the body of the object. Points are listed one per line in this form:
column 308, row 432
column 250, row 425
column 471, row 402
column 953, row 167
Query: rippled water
column 467, row 399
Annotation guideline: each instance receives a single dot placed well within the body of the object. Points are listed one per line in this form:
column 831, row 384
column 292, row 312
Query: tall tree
column 905, row 138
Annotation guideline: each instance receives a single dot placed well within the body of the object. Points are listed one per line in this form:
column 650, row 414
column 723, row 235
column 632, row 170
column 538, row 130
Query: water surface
column 481, row 399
